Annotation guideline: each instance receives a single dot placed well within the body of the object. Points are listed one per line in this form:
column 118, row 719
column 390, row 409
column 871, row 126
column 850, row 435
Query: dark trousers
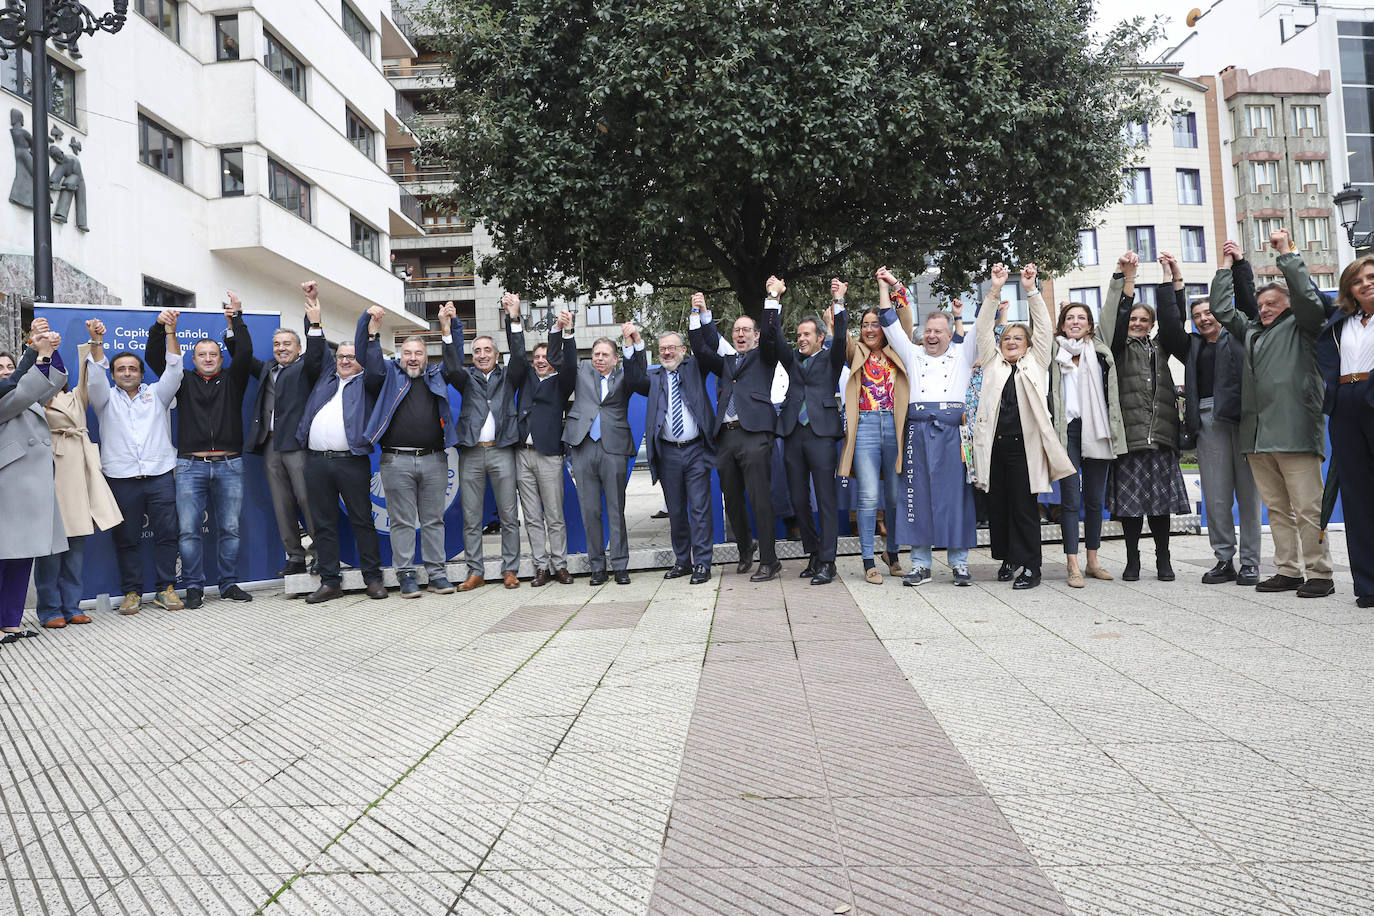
column 1089, row 485
column 743, row 461
column 1013, row 512
column 347, row 478
column 155, row 498
column 1352, row 453
column 685, row 473
column 600, row 475
column 810, row 461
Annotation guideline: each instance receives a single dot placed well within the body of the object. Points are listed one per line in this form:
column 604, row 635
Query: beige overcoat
column 83, row 496
column 856, row 353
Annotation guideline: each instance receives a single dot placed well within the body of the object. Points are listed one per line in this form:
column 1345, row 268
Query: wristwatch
column 315, row 326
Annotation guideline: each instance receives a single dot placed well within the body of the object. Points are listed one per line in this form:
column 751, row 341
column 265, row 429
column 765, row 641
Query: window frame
column 1269, row 166
column 220, row 54
column 1133, row 173
column 365, row 44
column 162, row 7
column 364, row 234
column 1266, row 118
column 1322, row 227
column 1179, row 175
column 1312, row 165
column 1096, row 256
column 370, row 135
column 1091, row 296
column 1298, row 125
column 168, row 138
column 224, row 189
column 1189, row 118
column 271, row 43
column 175, row 298
column 1200, row 249
column 1133, row 237
column 276, row 169
column 61, row 81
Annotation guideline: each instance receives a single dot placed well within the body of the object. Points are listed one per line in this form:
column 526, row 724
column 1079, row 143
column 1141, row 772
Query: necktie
column 730, row 405
column 802, row 417
column 596, row 420
column 269, row 401
column 675, row 405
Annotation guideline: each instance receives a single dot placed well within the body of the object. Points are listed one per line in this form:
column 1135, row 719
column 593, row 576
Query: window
column 1259, row 117
column 1264, row 174
column 1138, row 190
column 396, row 166
column 357, row 30
column 284, row 65
column 1141, row 240
column 1312, row 172
column 603, row 313
column 1194, row 243
column 359, row 133
column 1324, row 281
column 1306, row 117
column 1314, row 231
column 226, row 38
column 1147, row 294
column 16, row 75
column 231, row 172
column 1262, row 229
column 288, row 190
column 1194, row 290
column 161, row 296
column 1090, row 296
column 1087, row 247
column 162, row 14
column 1137, row 133
column 366, row 240
column 159, row 148
column 1185, row 130
column 442, row 220
column 1190, row 187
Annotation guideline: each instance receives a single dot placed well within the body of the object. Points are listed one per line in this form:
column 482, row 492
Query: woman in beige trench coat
column 84, row 498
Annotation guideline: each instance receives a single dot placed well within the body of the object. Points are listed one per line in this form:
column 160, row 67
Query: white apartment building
column 225, row 144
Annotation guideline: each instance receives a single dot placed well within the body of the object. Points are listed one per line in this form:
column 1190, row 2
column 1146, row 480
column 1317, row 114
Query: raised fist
column 775, row 287
column 999, row 275
column 627, row 330
column 886, row 276
column 565, row 320
column 39, row 326
column 698, row 303
column 168, row 319
column 837, row 289
column 511, row 303
column 1028, row 278
column 956, row 307
column 375, row 315
column 311, row 288
column 235, row 304
column 96, row 328
column 1281, row 241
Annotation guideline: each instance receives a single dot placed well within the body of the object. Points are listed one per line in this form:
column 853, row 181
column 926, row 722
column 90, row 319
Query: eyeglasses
column 346, row 358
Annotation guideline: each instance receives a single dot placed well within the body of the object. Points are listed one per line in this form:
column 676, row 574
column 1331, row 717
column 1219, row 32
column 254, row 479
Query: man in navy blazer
column 745, row 423
column 539, row 462
column 810, row 424
column 333, row 428
column 681, row 449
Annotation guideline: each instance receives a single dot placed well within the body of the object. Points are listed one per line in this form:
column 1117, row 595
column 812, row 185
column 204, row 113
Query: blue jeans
column 1091, row 484
column 217, row 485
column 920, row 556
column 875, row 455
column 57, row 579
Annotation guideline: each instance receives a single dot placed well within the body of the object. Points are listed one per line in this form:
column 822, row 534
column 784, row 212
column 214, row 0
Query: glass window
column 231, row 172
column 1087, row 247
column 366, row 240
column 359, row 133
column 603, row 313
column 1185, row 129
column 16, row 75
column 1194, row 243
column 1312, row 172
column 1306, row 117
column 1324, row 281
column 1190, row 187
column 1359, row 109
column 161, row 296
column 1141, row 240
column 1262, row 174
column 1357, row 61
column 285, row 188
column 1090, row 296
column 1194, row 290
column 1147, row 294
column 357, row 30
column 1260, row 117
column 1314, row 231
column 284, row 65
column 1138, row 190
column 1263, row 227
column 1137, row 133
column 1355, row 28
column 162, row 14
column 226, row 38
column 159, row 148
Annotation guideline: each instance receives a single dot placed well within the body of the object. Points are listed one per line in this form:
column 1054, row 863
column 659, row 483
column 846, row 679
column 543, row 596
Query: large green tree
column 609, row 143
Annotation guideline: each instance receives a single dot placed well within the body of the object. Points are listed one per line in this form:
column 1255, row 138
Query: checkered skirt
column 1146, row 482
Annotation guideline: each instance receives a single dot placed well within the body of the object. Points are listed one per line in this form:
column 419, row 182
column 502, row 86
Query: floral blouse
column 875, row 390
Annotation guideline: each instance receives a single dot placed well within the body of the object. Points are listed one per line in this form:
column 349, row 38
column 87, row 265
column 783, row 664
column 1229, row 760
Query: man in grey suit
column 488, row 429
column 597, row 433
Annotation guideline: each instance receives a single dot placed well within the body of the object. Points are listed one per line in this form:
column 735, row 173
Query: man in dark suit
column 277, row 408
column 745, row 423
column 488, row 431
column 597, row 433
column 539, row 463
column 680, row 447
column 810, row 425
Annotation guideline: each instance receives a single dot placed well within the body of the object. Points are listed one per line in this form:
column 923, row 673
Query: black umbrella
column 1329, row 494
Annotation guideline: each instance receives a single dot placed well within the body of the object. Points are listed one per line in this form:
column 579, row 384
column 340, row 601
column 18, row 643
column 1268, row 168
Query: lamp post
column 34, row 23
column 1348, row 203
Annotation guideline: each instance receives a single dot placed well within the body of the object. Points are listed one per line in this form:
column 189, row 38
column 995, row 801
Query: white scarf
column 1092, row 399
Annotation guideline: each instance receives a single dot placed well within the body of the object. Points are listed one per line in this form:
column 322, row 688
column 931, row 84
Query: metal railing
column 439, row 174
column 437, row 280
column 404, row 24
column 405, row 111
column 410, row 206
column 415, row 302
column 416, row 71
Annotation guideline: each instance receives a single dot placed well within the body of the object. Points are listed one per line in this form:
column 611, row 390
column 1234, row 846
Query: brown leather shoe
column 376, row 590
column 511, row 580
column 324, row 593
column 471, row 582
column 56, row 623
column 79, row 618
column 541, row 578
column 563, row 576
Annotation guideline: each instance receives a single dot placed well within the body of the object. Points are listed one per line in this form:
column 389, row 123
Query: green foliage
column 609, row 144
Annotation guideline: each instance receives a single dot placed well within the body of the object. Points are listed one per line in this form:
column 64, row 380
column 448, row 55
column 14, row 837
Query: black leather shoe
column 1027, row 579
column 1280, row 583
column 1005, row 573
column 1365, row 601
column 1248, row 575
column 292, row 568
column 376, row 590
column 811, row 568
column 677, row 572
column 700, row 573
column 598, row 578
column 622, row 577
column 324, row 593
column 766, row 571
column 1222, row 572
column 825, row 574
column 746, row 559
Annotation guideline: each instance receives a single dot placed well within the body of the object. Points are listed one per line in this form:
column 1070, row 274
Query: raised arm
column 315, row 345
column 1120, row 297
column 169, row 379
column 1243, row 275
column 770, row 340
column 367, row 341
column 517, row 367
column 701, row 332
column 1220, row 295
column 838, row 325
column 1173, row 304
column 452, row 330
column 1042, row 325
column 636, row 363
column 1307, row 306
column 94, row 388
column 986, row 325
column 240, row 370
column 567, row 362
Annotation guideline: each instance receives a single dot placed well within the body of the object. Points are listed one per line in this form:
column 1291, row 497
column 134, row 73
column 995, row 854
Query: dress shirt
column 327, row 433
column 689, row 423
column 488, row 431
column 1357, row 345
column 944, row 377
column 135, row 432
column 529, row 437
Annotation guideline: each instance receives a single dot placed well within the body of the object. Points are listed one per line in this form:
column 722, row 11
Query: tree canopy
column 608, row 144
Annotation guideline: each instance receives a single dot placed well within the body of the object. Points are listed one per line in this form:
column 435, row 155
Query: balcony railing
column 422, row 174
column 404, row 24
column 434, row 72
column 440, row 280
column 410, row 206
column 415, row 302
column 405, row 111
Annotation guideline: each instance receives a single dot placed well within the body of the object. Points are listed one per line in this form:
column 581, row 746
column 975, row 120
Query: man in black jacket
column 209, row 472
column 745, row 423
column 539, row 462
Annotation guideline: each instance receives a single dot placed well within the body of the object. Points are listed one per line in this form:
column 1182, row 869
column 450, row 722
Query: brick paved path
column 1125, row 748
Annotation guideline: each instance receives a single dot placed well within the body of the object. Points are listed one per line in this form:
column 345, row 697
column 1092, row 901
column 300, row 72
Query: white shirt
column 689, row 425
column 777, row 392
column 529, row 437
column 488, row 431
column 327, row 433
column 1357, row 345
column 135, row 432
column 943, row 378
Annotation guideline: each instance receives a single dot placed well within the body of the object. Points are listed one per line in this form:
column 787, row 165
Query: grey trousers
column 540, row 479
column 1226, row 479
column 286, row 481
column 599, row 474
column 415, row 490
column 477, row 465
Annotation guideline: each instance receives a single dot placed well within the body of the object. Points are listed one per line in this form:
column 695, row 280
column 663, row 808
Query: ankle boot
column 1132, row 571
column 1164, row 570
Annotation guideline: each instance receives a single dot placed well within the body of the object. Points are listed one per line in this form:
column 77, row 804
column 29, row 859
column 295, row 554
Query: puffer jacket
column 1149, row 401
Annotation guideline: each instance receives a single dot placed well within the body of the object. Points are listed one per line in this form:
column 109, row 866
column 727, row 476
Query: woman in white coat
column 1015, row 449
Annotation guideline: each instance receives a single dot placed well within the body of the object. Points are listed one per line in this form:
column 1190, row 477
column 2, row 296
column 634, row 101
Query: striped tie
column 675, row 406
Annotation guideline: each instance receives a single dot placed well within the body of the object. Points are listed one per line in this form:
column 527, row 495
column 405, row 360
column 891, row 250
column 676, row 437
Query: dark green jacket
column 1281, row 388
column 1149, row 400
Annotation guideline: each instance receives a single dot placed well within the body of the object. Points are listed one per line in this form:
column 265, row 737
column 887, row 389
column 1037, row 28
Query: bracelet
column 315, row 326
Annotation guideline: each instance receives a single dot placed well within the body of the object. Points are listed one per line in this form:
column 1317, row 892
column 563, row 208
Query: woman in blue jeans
column 1087, row 419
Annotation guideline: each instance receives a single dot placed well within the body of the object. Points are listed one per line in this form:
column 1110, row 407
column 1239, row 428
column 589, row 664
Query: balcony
column 399, row 34
column 418, row 77
column 442, row 287
column 415, row 302
column 400, row 126
column 427, row 181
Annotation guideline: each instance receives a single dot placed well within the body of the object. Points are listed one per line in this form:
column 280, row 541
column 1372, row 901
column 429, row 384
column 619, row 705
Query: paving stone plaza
column 1128, row 748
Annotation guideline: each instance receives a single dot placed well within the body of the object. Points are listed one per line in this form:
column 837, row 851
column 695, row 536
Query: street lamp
column 63, row 21
column 1348, row 203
